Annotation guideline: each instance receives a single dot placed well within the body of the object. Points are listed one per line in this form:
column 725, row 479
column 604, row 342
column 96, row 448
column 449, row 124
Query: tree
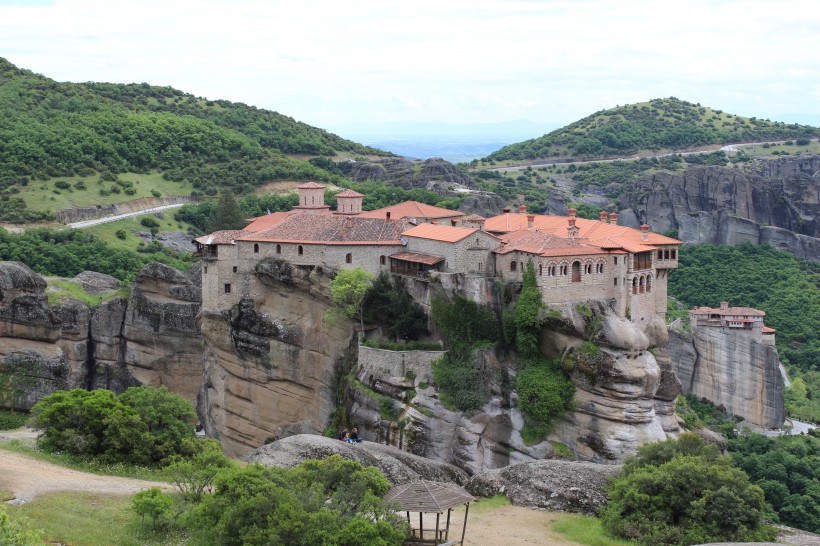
column 681, row 493
column 228, row 215
column 527, row 323
column 152, row 503
column 347, row 292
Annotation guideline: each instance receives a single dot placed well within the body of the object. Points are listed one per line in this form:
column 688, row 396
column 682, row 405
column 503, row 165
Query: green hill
column 52, row 129
column 660, row 124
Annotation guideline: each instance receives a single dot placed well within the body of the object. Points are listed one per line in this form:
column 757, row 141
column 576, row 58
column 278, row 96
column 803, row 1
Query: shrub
column 156, row 193
column 62, row 184
column 682, row 492
column 544, row 391
column 149, row 222
column 12, row 533
column 120, row 233
column 153, row 503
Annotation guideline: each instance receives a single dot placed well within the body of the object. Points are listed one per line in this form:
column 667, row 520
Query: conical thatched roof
column 427, row 496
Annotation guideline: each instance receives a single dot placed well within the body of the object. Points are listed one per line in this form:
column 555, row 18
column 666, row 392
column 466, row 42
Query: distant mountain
column 670, row 124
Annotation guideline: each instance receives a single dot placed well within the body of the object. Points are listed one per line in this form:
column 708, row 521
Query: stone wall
column 398, row 363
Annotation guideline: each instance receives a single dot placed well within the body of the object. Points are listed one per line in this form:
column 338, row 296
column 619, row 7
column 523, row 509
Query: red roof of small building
column 411, row 209
column 729, row 311
column 310, row 186
column 416, row 257
column 533, row 241
column 349, row 193
column 224, row 237
column 767, row 330
column 266, row 222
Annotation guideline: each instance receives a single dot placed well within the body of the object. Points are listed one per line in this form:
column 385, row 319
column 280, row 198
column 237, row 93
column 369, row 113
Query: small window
column 278, row 249
column 635, row 285
column 256, row 248
column 205, row 269
column 382, row 260
column 513, row 266
column 300, row 250
column 615, row 260
column 615, row 281
column 227, row 288
column 660, row 254
column 672, row 254
column 234, row 269
column 540, row 270
column 349, row 258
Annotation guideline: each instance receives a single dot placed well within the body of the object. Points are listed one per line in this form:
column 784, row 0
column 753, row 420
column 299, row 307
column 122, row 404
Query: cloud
column 339, row 63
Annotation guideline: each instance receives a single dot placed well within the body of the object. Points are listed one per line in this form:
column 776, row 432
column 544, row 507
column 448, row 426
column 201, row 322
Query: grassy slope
column 660, row 124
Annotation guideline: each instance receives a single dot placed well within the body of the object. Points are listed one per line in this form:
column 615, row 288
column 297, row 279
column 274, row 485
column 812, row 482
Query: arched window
column 513, row 266
column 641, row 285
column 635, row 285
column 349, row 258
column 278, row 249
column 256, row 248
column 300, row 250
column 382, row 260
column 649, row 283
column 576, row 271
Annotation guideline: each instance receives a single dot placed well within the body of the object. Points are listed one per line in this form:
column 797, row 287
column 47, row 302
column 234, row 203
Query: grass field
column 91, row 519
column 60, row 289
column 40, row 195
column 108, row 232
column 586, row 530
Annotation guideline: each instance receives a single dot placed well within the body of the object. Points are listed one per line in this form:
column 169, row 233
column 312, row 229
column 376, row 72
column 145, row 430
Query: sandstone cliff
column 775, row 202
column 731, row 369
column 149, row 339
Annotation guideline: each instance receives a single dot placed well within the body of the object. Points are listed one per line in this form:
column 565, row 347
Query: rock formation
column 775, row 202
column 565, row 486
column 731, row 369
column 396, row 465
column 152, row 338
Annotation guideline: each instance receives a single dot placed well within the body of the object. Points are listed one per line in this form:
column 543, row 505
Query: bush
column 143, row 426
column 10, row 420
column 682, row 492
column 62, row 184
column 156, row 193
column 14, row 534
column 149, row 222
column 120, row 234
column 155, row 504
column 544, row 392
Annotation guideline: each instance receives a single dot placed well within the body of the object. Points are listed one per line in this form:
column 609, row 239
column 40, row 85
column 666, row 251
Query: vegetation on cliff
column 658, row 124
column 785, row 287
column 682, row 492
column 66, row 253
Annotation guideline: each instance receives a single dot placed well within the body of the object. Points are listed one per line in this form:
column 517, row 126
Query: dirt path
column 26, row 478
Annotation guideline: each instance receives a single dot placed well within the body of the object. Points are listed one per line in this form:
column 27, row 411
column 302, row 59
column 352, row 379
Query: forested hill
column 51, row 128
column 660, row 124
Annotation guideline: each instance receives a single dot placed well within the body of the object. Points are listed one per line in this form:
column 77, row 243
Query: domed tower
column 312, row 198
column 349, row 202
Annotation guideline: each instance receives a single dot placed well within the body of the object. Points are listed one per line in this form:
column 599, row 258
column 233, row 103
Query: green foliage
column 465, row 327
column 347, row 293
column 155, row 504
column 682, row 492
column 787, row 468
column 149, row 222
column 586, row 530
column 661, row 123
column 142, row 426
column 13, row 533
column 121, row 234
column 11, row 420
column 193, row 476
column 66, row 253
column 388, row 304
column 228, row 215
column 526, row 315
column 332, row 501
column 544, row 392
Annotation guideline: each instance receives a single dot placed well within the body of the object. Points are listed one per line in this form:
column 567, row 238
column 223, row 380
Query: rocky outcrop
column 565, row 486
column 775, row 202
column 624, row 397
column 434, row 174
column 733, row 370
column 152, row 338
column 397, row 466
column 272, row 361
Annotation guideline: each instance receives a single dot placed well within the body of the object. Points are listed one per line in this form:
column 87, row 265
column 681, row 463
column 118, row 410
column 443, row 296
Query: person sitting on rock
column 343, row 435
column 354, row 436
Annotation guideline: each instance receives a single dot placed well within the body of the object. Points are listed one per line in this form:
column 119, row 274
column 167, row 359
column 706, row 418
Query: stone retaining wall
column 398, row 363
column 88, row 213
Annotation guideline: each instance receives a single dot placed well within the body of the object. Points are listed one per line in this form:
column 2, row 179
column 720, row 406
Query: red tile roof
column 730, row 311
column 473, row 218
column 266, row 222
column 548, row 244
column 310, row 186
column 767, row 330
column 412, row 209
column 224, row 237
column 447, row 234
column 416, row 257
column 332, row 230
column 349, row 193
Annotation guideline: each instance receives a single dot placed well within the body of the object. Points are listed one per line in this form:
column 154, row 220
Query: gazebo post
column 447, row 531
column 464, row 529
column 421, row 525
column 438, row 514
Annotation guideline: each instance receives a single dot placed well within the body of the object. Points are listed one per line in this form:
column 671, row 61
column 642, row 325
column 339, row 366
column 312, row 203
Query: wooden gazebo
column 426, row 497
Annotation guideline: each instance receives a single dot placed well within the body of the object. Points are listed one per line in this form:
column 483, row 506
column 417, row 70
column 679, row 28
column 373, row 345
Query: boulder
column 555, row 485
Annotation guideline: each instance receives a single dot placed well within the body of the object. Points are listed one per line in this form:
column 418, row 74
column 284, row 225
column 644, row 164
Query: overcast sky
column 339, row 64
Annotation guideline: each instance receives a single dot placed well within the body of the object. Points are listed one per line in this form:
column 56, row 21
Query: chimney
column 387, row 217
column 571, row 213
column 724, row 305
column 530, row 220
column 572, row 229
column 645, row 232
column 604, row 216
column 434, row 222
column 522, row 209
column 506, row 210
column 613, row 218
column 349, row 222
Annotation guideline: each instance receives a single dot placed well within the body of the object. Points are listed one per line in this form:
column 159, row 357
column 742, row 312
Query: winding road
column 107, row 219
